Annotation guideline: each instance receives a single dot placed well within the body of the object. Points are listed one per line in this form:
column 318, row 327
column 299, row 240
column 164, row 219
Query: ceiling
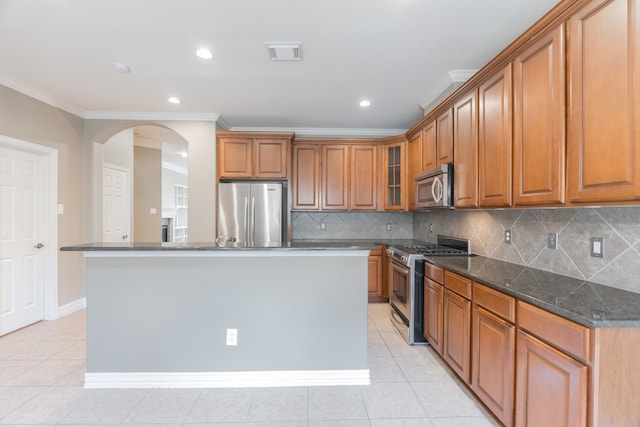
column 395, row 53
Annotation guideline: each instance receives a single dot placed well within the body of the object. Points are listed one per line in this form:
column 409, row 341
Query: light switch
column 153, row 211
column 60, row 209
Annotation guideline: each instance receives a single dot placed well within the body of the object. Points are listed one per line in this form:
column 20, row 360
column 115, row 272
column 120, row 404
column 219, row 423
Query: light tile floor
column 42, row 368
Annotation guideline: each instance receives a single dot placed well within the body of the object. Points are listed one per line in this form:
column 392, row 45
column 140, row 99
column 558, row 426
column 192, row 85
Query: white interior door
column 21, row 239
column 116, row 205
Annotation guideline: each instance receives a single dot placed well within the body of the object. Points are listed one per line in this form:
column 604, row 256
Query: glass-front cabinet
column 394, row 177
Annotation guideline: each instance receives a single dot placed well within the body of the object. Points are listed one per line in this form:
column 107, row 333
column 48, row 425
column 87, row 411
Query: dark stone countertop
column 583, row 302
column 213, row 246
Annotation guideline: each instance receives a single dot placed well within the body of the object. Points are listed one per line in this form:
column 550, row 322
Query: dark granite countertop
column 213, row 246
column 583, row 302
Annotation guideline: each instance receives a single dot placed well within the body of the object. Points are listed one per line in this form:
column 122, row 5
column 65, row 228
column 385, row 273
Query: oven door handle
column 397, row 318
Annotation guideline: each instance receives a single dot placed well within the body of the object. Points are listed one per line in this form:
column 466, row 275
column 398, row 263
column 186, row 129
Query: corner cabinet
column 414, row 166
column 253, row 155
column 604, row 103
column 394, row 179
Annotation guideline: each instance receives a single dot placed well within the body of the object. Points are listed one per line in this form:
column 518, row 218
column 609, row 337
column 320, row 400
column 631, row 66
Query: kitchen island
column 209, row 315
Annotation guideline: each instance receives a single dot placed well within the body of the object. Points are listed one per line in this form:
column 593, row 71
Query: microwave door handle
column 436, row 190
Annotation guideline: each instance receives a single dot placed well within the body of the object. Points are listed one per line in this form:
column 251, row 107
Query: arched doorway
column 145, row 186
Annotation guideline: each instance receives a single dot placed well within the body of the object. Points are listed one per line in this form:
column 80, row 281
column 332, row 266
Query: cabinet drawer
column 495, row 301
column 562, row 333
column 458, row 284
column 433, row 272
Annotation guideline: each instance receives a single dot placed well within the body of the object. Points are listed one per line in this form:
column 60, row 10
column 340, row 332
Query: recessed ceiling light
column 364, row 103
column 204, row 53
column 174, row 100
column 120, row 67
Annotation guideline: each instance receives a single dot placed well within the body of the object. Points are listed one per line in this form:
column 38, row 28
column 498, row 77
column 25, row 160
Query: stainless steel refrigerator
column 251, row 213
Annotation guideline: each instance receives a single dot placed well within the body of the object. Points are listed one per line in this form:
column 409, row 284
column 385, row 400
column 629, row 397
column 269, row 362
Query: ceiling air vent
column 285, row 51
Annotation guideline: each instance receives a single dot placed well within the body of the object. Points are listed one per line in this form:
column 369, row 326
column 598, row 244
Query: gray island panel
column 169, row 312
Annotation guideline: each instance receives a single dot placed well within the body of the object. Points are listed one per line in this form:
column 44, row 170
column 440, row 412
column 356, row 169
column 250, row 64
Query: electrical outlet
column 507, row 236
column 552, row 241
column 389, row 227
column 232, row 337
column 597, row 247
column 430, row 228
column 323, row 226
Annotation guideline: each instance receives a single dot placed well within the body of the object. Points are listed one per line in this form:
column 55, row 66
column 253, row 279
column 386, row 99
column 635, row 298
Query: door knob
column 39, row 245
column 124, row 236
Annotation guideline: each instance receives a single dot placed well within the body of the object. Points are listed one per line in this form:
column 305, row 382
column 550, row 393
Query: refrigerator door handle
column 246, row 218
column 253, row 220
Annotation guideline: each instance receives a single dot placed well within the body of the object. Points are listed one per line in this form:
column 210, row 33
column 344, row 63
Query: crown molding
column 327, row 132
column 150, row 115
column 38, row 94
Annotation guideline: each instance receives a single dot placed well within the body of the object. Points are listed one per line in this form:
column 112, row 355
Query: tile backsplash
column 351, row 225
column 619, row 226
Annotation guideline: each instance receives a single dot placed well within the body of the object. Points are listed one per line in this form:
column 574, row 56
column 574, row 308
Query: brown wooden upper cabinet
column 495, row 140
column 465, row 148
column 394, row 185
column 305, row 183
column 604, row 103
column 539, row 122
column 414, row 166
column 249, row 155
column 335, row 176
column 437, row 141
column 444, row 137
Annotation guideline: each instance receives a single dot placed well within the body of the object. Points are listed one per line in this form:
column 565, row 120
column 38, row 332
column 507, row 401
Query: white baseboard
column 225, row 379
column 72, row 307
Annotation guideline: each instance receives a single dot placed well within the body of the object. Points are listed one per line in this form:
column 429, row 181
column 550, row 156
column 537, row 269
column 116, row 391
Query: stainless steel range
column 406, row 293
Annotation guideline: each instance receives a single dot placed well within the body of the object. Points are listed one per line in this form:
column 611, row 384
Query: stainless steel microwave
column 434, row 188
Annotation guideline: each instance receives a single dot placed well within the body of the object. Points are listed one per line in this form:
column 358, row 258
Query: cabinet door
column 457, row 336
column 335, row 175
column 394, row 161
column 465, row 141
column 444, row 137
column 433, row 313
column 414, row 166
column 493, row 360
column 429, row 146
column 236, row 157
column 551, row 387
column 375, row 276
column 495, row 140
column 305, row 187
column 271, row 158
column 604, row 102
column 364, row 185
column 539, row 122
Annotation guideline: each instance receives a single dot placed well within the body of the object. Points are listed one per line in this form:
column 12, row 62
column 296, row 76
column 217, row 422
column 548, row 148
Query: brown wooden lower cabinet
column 528, row 366
column 457, row 334
column 375, row 274
column 433, row 313
column 493, row 361
column 551, row 387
